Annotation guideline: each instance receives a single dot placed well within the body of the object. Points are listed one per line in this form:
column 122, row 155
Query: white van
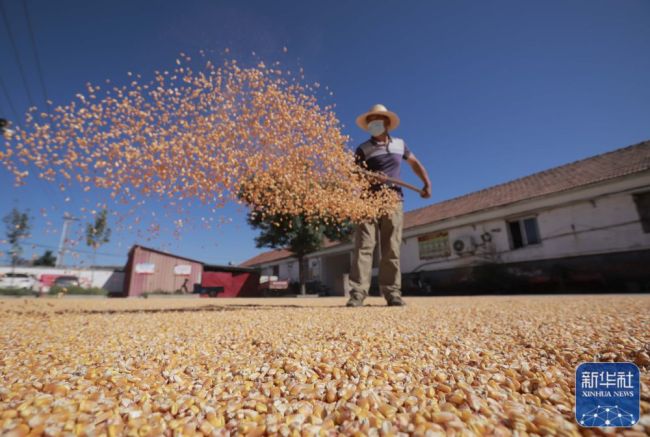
column 19, row 280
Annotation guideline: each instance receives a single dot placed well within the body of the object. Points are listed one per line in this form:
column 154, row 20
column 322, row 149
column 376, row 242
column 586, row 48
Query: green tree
column 47, row 259
column 17, row 227
column 297, row 235
column 98, row 233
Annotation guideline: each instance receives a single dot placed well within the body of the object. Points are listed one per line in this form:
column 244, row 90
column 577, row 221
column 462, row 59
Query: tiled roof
column 265, row 257
column 149, row 249
column 599, row 168
column 610, row 165
column 274, row 255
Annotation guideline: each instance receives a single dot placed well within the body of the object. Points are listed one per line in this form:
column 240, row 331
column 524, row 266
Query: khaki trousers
column 390, row 275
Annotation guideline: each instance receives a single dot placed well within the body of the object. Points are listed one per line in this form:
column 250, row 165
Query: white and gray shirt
column 385, row 157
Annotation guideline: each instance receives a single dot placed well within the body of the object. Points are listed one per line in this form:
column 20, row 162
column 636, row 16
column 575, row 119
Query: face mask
column 376, row 127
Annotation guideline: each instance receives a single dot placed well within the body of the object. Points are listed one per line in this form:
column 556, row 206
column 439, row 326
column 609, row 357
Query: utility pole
column 64, row 237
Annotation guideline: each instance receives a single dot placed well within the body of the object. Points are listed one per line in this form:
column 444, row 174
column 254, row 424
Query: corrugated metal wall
column 163, row 277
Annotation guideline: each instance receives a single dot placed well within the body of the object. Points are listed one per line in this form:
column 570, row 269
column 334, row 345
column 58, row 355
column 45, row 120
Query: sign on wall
column 145, row 268
column 183, row 269
column 434, row 245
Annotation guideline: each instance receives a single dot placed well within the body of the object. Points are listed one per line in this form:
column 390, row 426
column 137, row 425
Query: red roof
column 160, row 252
column 277, row 254
column 599, row 168
column 265, row 257
column 610, row 165
column 206, row 267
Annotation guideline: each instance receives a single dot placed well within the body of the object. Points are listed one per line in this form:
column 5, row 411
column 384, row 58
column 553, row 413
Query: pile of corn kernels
column 440, row 366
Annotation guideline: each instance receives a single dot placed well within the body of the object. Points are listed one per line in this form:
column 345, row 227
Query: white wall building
column 586, row 223
column 110, row 279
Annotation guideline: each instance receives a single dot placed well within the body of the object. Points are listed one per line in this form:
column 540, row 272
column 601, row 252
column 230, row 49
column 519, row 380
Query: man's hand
column 426, row 192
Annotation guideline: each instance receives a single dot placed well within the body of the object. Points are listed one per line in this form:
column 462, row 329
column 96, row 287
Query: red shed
column 150, row 270
column 236, row 281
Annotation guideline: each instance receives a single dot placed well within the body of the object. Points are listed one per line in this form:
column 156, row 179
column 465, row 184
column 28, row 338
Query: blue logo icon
column 607, row 394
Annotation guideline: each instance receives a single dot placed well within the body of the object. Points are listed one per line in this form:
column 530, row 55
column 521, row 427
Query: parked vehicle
column 207, row 291
column 271, row 286
column 19, row 280
column 66, row 281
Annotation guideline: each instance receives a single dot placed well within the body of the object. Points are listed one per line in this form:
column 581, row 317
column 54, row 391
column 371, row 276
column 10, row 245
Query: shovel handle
column 391, row 180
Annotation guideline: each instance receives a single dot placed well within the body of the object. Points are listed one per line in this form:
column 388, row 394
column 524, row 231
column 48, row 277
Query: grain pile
column 456, row 366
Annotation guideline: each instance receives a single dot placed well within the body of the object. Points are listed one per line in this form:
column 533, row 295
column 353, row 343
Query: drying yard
column 440, row 366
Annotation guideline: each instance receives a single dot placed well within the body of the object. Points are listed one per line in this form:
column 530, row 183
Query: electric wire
column 41, row 75
column 67, row 249
column 16, row 53
column 39, row 67
column 50, row 193
column 8, row 98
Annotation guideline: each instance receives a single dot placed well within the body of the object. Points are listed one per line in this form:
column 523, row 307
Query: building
column 153, row 271
column 580, row 226
column 236, row 281
column 110, row 279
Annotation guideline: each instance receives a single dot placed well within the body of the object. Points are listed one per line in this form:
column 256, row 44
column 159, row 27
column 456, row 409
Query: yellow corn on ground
column 439, row 366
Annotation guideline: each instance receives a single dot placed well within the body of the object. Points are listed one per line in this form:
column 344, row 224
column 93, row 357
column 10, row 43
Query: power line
column 16, row 54
column 86, row 252
column 8, row 97
column 41, row 77
column 38, row 60
column 64, row 237
column 48, row 189
column 51, row 195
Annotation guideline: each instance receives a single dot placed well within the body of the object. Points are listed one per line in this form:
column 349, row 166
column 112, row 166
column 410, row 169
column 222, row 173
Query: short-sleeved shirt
column 384, row 157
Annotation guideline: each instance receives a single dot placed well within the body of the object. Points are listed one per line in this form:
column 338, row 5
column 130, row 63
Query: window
column 313, row 272
column 642, row 201
column 276, row 270
column 434, row 245
column 524, row 232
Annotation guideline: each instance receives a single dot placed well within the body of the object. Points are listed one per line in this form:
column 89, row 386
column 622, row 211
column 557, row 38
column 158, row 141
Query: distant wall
column 108, row 279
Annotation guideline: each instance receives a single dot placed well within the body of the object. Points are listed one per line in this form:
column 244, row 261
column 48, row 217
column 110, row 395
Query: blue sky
column 487, row 91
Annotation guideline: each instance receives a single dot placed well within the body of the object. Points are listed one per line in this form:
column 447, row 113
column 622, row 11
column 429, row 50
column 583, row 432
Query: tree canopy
column 297, row 235
column 17, row 227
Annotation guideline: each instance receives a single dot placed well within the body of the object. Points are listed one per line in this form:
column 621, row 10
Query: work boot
column 395, row 301
column 355, row 300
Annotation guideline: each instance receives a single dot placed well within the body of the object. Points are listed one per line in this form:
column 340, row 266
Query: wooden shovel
column 382, row 177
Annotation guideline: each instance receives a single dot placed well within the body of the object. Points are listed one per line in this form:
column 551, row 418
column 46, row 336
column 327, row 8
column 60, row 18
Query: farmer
column 383, row 154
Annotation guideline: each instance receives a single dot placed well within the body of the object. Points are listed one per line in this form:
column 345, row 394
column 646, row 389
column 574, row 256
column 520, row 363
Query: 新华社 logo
column 607, row 394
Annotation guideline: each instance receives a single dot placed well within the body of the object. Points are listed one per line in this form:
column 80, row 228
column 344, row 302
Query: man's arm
column 421, row 172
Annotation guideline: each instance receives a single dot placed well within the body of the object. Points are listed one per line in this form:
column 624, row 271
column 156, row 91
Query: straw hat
column 379, row 110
